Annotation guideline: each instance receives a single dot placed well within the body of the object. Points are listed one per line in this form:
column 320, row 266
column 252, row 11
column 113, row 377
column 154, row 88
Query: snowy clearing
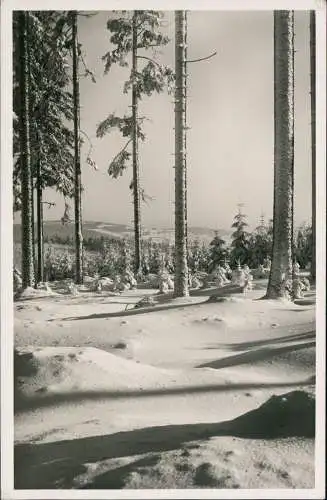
column 108, row 396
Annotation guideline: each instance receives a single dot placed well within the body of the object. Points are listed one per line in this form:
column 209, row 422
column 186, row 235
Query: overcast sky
column 230, row 112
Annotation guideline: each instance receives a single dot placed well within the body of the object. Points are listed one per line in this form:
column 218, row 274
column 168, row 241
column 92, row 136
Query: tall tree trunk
column 282, row 252
column 39, row 219
column 135, row 154
column 78, row 185
column 33, row 222
column 313, row 135
column 185, row 139
column 26, row 170
column 32, row 171
column 181, row 269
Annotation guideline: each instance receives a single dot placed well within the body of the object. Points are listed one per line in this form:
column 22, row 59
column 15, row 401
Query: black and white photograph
column 163, row 223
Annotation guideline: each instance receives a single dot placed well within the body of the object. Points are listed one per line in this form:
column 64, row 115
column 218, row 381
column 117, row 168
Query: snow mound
column 33, row 293
column 287, row 415
column 70, row 369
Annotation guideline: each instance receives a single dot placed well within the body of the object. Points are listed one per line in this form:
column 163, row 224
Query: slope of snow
column 118, row 398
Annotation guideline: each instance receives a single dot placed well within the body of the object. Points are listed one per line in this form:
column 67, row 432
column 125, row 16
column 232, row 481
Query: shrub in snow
column 195, row 282
column 96, row 286
column 248, row 279
column 298, row 288
column 287, row 287
column 248, row 284
column 217, row 298
column 296, row 268
column 170, row 283
column 89, row 280
column 306, row 284
column 117, row 286
column 26, row 293
column 166, row 282
column 30, row 293
column 163, row 287
column 206, row 282
column 58, row 264
column 145, row 302
column 201, row 275
column 220, row 277
column 217, row 277
column 129, row 278
column 139, row 276
column 17, row 279
column 44, row 286
column 261, row 273
column 267, row 263
column 152, row 281
column 238, row 276
column 104, row 283
column 72, row 289
column 228, row 270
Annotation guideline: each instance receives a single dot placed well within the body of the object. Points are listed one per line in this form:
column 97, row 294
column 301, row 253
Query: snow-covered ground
column 108, row 396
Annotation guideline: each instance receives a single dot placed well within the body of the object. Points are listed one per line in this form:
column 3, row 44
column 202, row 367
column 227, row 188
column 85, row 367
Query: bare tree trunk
column 181, row 268
column 78, row 186
column 282, row 252
column 39, row 219
column 33, row 223
column 135, row 155
column 26, row 170
column 313, row 135
column 32, row 171
column 185, row 139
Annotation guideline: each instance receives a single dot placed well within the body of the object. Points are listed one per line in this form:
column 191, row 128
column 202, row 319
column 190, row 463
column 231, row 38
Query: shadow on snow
column 242, row 346
column 255, row 355
column 57, row 464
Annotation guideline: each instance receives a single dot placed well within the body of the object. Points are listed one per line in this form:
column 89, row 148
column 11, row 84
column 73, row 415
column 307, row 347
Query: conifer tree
column 133, row 34
column 260, row 244
column 303, row 249
column 50, row 108
column 218, row 252
column 240, row 241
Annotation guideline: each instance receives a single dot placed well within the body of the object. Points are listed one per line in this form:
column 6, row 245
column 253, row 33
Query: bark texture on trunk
column 33, row 222
column 26, row 170
column 181, row 268
column 313, row 135
column 282, row 253
column 185, row 136
column 78, row 185
column 39, row 225
column 135, row 153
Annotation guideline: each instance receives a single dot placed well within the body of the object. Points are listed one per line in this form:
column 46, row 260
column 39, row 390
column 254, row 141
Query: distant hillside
column 97, row 230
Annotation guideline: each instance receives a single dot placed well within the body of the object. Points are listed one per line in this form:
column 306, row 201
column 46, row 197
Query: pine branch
column 202, row 58
column 149, row 59
column 87, row 71
column 118, row 164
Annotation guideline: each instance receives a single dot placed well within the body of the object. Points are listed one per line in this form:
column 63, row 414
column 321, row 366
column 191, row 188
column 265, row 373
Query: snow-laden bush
column 17, row 280
column 306, row 284
column 145, row 302
column 261, row 272
column 43, row 285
